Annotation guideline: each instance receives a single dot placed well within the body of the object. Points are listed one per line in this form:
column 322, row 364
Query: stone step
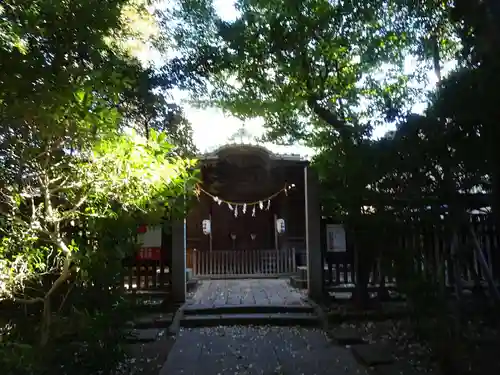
column 246, row 309
column 158, row 320
column 297, row 282
column 156, row 304
column 191, row 285
column 346, row 336
column 144, row 335
column 284, row 319
column 148, row 293
column 302, row 272
column 373, row 354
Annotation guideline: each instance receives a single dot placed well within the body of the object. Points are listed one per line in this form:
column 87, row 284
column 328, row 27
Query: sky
column 212, row 128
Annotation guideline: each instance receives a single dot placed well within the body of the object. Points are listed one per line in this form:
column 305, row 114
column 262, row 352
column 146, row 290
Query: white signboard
column 150, row 237
column 149, row 240
column 335, row 238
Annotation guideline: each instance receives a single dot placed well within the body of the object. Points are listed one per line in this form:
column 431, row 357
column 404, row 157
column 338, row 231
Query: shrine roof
column 250, row 148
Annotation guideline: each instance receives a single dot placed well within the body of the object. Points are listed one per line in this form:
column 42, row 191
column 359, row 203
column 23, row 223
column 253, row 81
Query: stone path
column 259, row 292
column 258, row 351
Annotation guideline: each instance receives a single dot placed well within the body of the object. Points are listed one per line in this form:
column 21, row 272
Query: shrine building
column 255, row 213
column 249, row 217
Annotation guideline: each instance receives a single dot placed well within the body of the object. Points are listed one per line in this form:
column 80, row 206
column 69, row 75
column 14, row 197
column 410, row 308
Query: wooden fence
column 243, row 263
column 430, row 247
column 147, row 275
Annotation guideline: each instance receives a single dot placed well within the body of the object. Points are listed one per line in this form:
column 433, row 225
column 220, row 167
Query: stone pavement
column 259, row 292
column 267, row 350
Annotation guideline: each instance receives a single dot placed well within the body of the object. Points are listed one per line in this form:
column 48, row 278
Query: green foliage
column 146, row 108
column 309, row 69
column 97, row 346
column 74, row 180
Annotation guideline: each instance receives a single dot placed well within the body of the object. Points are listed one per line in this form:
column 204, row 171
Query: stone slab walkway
column 242, row 350
column 216, row 293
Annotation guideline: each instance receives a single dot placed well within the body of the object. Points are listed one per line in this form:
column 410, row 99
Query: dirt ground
column 149, row 358
column 481, row 354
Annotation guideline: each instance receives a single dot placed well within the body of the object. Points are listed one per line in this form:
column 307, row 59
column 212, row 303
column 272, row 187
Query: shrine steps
column 148, row 326
column 228, row 315
column 283, row 319
column 246, row 309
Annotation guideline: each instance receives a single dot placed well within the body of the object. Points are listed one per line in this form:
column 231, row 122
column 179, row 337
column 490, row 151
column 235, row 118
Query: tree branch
column 65, row 273
column 44, row 186
column 66, row 297
column 313, row 101
column 73, row 210
column 25, row 301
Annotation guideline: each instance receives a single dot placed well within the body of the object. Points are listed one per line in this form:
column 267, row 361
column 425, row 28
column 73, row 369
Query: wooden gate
column 243, row 263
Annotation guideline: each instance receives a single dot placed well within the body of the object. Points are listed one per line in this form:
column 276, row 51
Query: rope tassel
column 233, row 206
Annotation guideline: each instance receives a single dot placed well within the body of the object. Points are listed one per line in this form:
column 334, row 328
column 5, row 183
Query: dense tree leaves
column 316, row 70
column 70, row 170
column 147, row 108
column 327, row 72
column 55, row 52
column 48, row 57
column 301, row 63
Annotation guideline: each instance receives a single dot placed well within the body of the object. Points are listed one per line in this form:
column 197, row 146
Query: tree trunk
column 363, row 267
column 383, row 293
column 46, row 322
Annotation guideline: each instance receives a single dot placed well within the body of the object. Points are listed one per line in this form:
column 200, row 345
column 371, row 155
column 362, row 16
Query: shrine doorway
column 244, row 241
column 245, row 231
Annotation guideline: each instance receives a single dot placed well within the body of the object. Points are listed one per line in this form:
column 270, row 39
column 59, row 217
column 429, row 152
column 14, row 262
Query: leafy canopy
column 310, row 69
column 74, row 180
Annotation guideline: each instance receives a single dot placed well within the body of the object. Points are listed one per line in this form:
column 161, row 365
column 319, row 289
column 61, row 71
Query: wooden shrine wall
column 248, row 181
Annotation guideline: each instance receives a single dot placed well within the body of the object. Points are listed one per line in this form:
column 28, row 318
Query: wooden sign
column 149, row 253
column 335, row 238
column 149, row 239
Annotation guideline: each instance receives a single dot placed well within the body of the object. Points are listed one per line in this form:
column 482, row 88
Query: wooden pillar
column 285, row 216
column 313, row 240
column 179, row 260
